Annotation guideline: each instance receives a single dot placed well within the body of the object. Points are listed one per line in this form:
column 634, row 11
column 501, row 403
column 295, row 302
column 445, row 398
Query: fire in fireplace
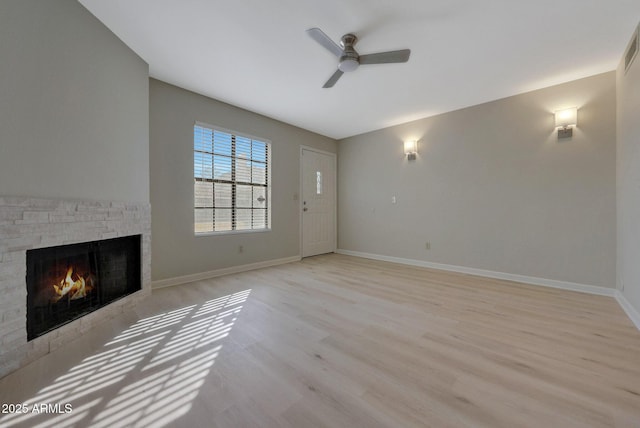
column 66, row 282
column 73, row 290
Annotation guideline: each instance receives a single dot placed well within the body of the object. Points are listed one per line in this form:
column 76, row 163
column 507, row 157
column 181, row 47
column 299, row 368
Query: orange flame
column 73, row 289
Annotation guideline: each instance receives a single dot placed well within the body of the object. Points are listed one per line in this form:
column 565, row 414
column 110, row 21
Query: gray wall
column 73, row 106
column 492, row 187
column 176, row 251
column 628, row 183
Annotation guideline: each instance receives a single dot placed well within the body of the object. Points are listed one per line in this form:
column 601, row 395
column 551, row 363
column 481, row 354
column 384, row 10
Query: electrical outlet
column 427, row 245
column 240, row 249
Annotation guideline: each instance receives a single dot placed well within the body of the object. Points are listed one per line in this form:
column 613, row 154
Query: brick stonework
column 28, row 223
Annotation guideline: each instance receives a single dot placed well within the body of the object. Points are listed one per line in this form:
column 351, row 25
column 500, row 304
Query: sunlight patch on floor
column 148, row 375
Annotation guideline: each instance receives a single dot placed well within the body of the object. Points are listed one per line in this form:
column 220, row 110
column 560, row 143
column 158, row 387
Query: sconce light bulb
column 567, row 117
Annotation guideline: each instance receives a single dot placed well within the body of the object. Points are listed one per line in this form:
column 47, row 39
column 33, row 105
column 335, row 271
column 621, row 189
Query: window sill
column 231, row 232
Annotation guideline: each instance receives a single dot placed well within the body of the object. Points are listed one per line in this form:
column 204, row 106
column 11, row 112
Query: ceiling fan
column 349, row 58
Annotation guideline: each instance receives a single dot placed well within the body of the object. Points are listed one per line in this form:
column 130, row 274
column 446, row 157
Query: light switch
column 393, row 199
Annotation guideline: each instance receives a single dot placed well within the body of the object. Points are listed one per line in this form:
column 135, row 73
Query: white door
column 318, row 202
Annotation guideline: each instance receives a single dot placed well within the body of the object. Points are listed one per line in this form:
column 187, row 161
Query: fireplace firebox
column 67, row 282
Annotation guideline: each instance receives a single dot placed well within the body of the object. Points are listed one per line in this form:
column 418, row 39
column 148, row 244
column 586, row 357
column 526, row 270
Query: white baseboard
column 220, row 272
column 565, row 285
column 631, row 312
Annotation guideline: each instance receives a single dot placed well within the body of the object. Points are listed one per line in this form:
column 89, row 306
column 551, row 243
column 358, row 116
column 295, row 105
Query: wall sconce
column 411, row 149
column 565, row 121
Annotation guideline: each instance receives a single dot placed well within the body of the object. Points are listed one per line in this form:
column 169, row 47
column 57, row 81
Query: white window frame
column 232, row 181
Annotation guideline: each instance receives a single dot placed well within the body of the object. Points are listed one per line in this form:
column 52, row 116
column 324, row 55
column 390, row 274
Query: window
column 232, row 181
column 318, row 183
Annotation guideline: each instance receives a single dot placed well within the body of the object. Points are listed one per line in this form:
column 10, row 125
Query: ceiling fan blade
column 333, row 79
column 319, row 36
column 386, row 57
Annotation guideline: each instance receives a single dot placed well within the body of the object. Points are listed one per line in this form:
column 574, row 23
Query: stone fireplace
column 66, row 266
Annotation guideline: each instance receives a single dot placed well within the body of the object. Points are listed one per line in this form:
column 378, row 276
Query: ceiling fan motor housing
column 349, row 59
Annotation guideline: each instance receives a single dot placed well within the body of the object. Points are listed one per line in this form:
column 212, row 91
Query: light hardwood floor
column 338, row 341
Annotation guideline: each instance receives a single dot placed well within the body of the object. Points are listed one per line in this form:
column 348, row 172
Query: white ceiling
column 255, row 54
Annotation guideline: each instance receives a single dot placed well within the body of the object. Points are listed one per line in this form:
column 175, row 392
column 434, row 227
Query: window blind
column 232, row 183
